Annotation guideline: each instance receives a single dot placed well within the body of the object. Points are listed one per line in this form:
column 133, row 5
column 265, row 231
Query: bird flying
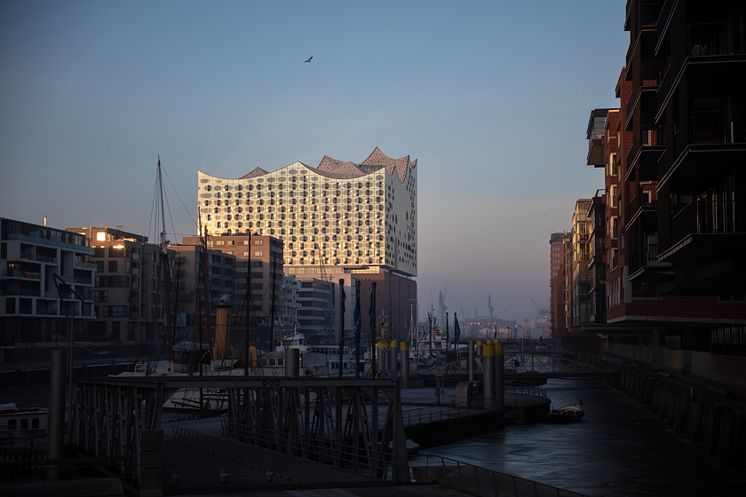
column 308, row 59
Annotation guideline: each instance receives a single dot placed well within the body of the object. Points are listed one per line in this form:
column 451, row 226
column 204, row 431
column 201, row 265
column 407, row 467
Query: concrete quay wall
column 719, row 425
column 454, row 429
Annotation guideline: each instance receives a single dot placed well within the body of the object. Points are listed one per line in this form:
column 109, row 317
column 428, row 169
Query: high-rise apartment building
column 673, row 154
column 128, row 293
column 597, row 264
column 579, row 276
column 340, row 217
column 558, row 244
column 265, row 254
column 33, row 314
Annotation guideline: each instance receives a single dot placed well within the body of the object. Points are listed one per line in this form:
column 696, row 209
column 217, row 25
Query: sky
column 492, row 98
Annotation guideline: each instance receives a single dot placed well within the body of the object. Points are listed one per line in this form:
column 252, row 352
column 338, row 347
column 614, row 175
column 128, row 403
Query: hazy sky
column 492, row 98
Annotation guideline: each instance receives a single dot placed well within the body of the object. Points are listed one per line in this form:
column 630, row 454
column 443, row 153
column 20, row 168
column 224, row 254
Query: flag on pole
column 456, row 328
column 356, row 315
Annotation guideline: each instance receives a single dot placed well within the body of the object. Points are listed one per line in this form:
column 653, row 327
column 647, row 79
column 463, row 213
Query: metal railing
column 707, row 215
column 326, row 451
column 524, row 395
column 432, row 414
column 709, row 39
column 717, row 126
column 479, row 482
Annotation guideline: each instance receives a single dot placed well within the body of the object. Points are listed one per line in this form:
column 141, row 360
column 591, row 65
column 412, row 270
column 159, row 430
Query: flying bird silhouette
column 308, row 59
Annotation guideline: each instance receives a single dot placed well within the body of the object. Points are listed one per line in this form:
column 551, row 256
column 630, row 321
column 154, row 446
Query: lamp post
column 66, row 292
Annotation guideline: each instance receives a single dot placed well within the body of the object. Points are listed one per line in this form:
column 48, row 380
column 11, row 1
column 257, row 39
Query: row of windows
column 350, row 227
column 293, row 215
column 259, row 203
column 280, row 184
column 338, row 260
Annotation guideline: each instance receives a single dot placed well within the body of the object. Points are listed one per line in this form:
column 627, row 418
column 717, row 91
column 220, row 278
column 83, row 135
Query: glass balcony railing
column 716, row 39
column 717, row 126
column 649, row 13
column 708, row 215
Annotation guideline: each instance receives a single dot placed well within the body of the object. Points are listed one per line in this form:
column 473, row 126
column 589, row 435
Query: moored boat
column 567, row 414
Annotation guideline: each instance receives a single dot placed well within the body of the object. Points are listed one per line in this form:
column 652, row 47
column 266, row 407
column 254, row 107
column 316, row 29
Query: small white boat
column 22, row 422
column 567, row 414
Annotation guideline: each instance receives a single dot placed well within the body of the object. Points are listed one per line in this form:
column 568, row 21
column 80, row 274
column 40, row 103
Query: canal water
column 620, row 449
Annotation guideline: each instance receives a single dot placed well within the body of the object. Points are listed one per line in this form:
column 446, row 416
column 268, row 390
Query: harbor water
column 620, row 449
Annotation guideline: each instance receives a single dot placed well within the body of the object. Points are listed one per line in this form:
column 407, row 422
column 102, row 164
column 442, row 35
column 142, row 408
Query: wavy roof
column 334, row 168
column 400, row 165
column 340, row 169
column 255, row 173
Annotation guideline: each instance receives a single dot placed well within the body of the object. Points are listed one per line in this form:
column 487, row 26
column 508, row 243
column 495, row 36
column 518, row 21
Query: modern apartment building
column 265, row 254
column 337, row 218
column 597, row 264
column 32, row 311
column 128, row 293
column 316, row 310
column 190, row 284
column 579, row 279
column 289, row 309
column 673, row 154
column 558, row 245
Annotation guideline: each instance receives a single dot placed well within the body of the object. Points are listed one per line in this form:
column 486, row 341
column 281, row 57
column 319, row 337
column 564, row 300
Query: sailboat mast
column 163, row 211
column 166, row 274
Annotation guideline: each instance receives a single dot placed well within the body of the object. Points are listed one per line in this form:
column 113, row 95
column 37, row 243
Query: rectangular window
column 258, row 253
column 613, row 166
column 614, row 227
column 612, row 196
column 112, row 266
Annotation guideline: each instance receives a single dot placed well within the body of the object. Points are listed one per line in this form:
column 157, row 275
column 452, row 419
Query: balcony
column 14, row 272
column 716, row 144
column 85, row 265
column 641, row 208
column 643, row 156
column 646, row 80
column 716, row 39
column 717, row 126
column 648, row 13
column 595, row 153
column 707, row 229
column 645, row 265
column 706, row 45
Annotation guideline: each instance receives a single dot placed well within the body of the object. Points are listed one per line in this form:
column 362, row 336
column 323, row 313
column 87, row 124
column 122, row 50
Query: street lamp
column 66, row 292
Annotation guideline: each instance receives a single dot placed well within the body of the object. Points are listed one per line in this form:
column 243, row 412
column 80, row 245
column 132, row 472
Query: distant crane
column 538, row 310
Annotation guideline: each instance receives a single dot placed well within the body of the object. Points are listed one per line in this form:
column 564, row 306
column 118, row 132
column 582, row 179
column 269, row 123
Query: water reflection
column 620, row 449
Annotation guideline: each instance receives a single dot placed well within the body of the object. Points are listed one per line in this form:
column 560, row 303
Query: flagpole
column 357, row 328
column 341, row 324
column 448, row 338
column 372, row 315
